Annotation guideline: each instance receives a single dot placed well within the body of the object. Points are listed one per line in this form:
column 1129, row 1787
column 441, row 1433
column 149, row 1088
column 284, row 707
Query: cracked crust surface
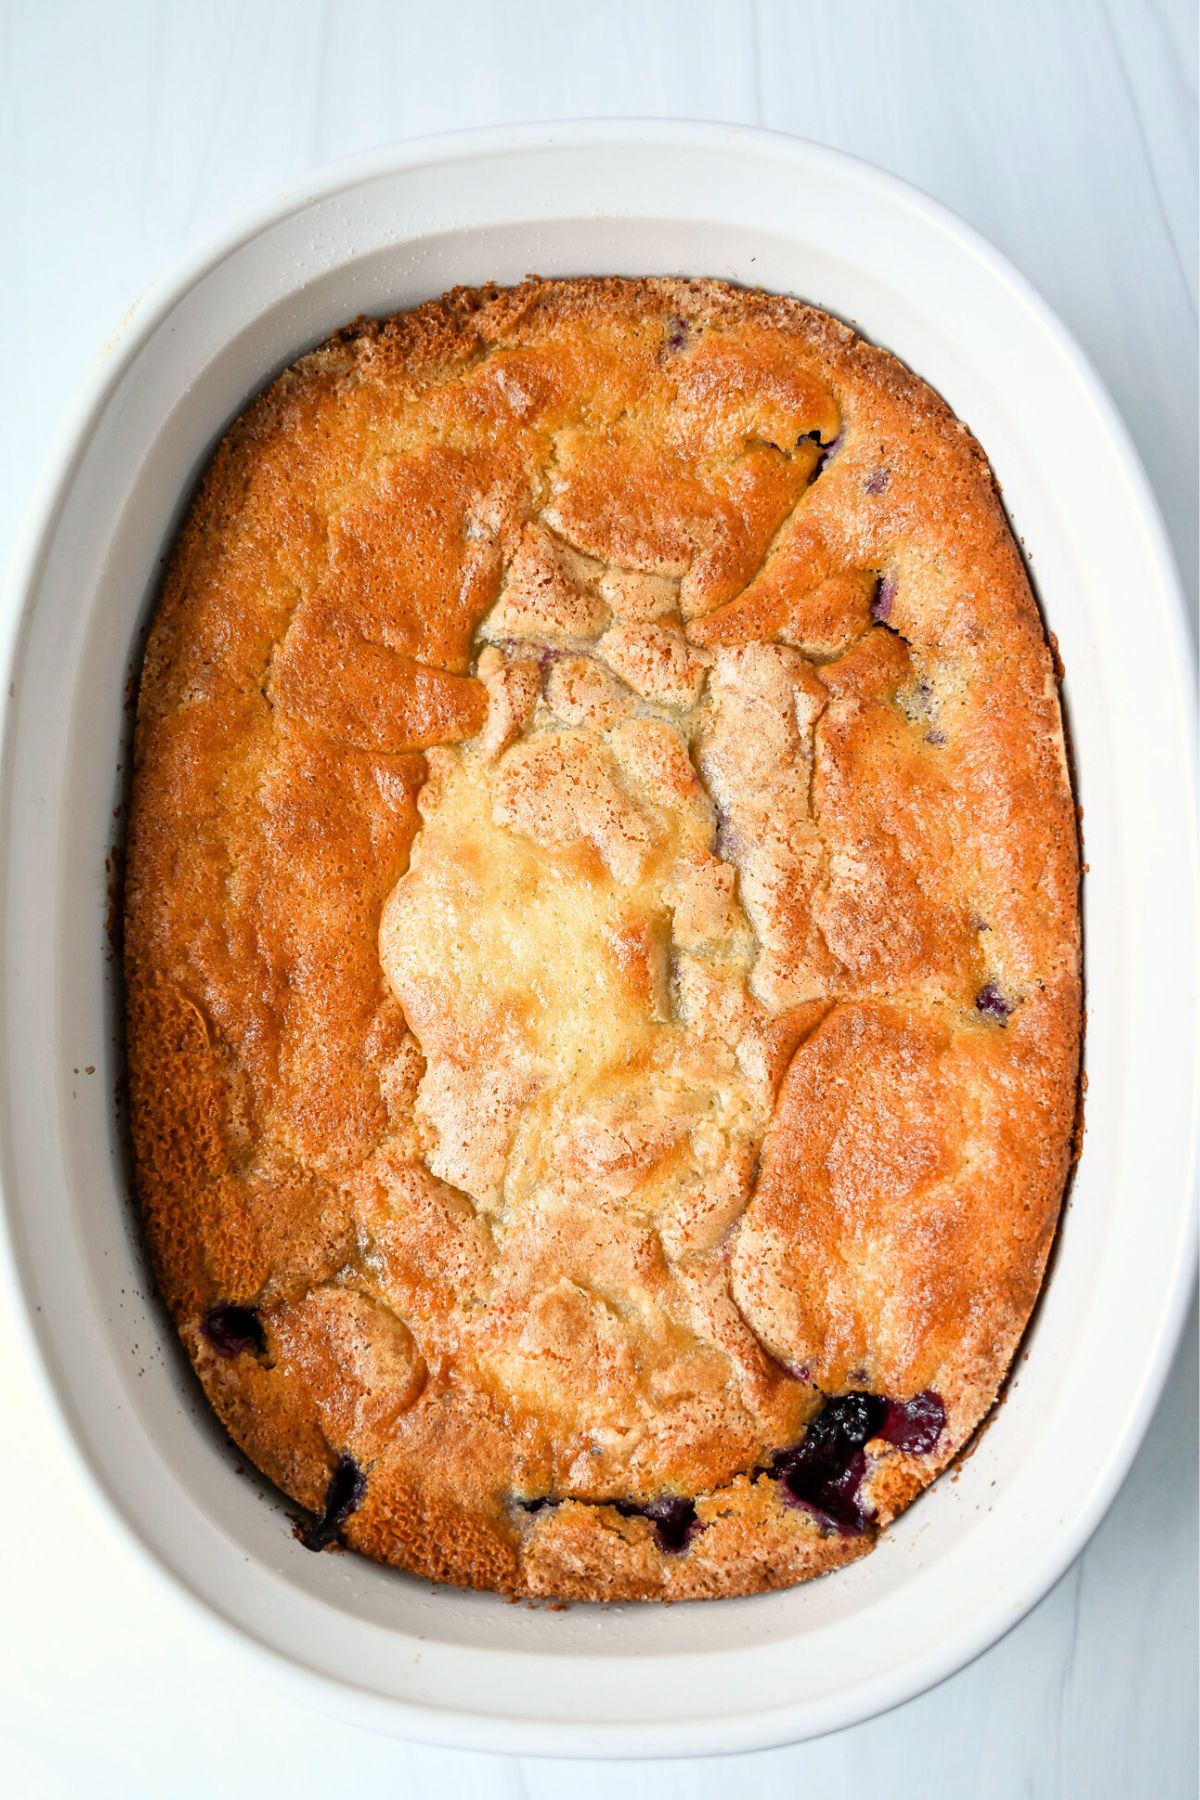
column 602, row 934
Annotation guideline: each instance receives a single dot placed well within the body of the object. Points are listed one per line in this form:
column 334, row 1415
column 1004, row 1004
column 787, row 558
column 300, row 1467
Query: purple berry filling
column 674, row 1520
column 673, row 1517
column 937, row 736
column 826, row 450
column 824, row 1472
column 881, row 605
column 992, row 1004
column 526, row 650
column 878, row 480
column 233, row 1330
column 837, row 1502
column 677, row 333
column 814, row 437
column 915, row 1425
column 726, row 841
column 345, row 1494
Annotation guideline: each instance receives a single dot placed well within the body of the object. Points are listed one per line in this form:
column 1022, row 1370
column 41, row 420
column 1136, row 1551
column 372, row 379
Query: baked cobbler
column 602, row 943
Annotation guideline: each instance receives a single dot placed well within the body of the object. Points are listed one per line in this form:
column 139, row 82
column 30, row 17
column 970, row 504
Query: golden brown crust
column 602, row 933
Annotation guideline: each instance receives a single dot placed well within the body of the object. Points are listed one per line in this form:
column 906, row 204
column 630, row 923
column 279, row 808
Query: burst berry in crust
column 602, row 947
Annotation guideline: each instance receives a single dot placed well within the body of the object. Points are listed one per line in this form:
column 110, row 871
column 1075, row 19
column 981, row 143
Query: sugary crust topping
column 601, row 938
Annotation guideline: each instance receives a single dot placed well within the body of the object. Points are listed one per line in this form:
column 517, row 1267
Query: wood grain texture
column 1067, row 134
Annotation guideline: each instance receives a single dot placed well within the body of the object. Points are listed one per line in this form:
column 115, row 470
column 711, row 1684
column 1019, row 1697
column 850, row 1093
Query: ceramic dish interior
column 981, row 1547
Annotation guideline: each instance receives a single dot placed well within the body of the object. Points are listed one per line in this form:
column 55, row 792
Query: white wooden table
column 1066, row 131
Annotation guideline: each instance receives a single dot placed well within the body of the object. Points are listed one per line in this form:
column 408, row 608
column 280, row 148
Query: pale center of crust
column 598, row 1015
column 532, row 946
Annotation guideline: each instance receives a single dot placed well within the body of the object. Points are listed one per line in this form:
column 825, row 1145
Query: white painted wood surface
column 1065, row 130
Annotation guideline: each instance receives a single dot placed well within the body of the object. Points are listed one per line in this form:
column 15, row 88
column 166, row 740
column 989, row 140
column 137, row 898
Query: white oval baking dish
column 383, row 232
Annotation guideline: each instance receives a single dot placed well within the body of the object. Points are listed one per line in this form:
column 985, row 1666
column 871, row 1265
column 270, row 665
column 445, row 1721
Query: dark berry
column 835, row 1500
column 881, row 605
column 843, row 1423
column 232, row 1330
column 937, row 736
column 915, row 1425
column 992, row 1004
column 673, row 1518
column 677, row 332
column 824, row 1470
column 345, row 1494
column 878, row 480
column 675, row 1522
